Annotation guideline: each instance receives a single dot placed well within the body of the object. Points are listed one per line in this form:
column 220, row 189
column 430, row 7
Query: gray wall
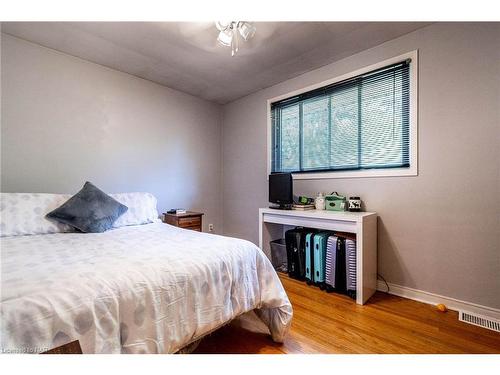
column 438, row 232
column 121, row 132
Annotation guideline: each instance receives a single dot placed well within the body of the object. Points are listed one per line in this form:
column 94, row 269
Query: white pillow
column 24, row 213
column 141, row 209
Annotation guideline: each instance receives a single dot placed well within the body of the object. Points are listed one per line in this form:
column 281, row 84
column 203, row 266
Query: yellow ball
column 441, row 307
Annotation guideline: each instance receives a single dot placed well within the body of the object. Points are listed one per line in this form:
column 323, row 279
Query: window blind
column 359, row 123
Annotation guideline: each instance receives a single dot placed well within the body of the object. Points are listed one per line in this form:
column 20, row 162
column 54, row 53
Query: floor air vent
column 479, row 320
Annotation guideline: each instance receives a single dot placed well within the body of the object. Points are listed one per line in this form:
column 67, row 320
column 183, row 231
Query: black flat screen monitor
column 281, row 189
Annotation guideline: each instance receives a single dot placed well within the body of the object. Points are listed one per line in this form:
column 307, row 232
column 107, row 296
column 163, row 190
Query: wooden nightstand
column 189, row 220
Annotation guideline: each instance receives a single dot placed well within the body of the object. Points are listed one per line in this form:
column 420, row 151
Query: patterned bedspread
column 140, row 289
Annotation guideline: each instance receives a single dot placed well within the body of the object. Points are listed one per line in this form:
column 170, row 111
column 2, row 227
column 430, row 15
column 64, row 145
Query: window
column 357, row 124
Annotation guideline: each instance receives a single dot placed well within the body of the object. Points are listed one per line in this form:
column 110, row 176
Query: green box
column 335, row 203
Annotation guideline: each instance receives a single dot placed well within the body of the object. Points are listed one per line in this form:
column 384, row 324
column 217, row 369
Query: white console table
column 273, row 222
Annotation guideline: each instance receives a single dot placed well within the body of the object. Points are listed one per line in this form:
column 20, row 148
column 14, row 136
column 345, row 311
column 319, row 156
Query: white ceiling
column 185, row 55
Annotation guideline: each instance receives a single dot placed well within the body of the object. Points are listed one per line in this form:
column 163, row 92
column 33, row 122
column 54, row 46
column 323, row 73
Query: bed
column 148, row 288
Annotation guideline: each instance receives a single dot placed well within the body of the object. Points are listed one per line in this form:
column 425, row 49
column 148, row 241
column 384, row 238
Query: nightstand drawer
column 189, row 222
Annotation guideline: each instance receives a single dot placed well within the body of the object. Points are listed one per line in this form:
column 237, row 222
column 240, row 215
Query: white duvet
column 141, row 289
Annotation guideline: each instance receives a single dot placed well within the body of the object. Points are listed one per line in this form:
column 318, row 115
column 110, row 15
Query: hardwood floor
column 330, row 323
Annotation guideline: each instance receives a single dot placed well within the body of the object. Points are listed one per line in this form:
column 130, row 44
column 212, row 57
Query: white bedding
column 141, row 289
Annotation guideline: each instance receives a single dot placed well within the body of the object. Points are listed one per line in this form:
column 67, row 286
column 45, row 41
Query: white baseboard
column 434, row 299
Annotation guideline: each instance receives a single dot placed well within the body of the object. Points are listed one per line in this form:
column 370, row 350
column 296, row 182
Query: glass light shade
column 246, row 30
column 222, row 25
column 225, row 37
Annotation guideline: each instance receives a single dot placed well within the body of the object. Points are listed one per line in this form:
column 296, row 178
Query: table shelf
column 273, row 223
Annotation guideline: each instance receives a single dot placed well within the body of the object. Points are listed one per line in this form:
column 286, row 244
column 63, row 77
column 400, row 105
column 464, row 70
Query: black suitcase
column 340, row 267
column 295, row 252
column 310, row 258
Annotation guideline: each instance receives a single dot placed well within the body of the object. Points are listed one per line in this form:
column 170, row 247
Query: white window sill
column 393, row 172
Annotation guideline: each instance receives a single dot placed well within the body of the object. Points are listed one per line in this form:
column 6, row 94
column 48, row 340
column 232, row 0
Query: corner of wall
column 221, row 193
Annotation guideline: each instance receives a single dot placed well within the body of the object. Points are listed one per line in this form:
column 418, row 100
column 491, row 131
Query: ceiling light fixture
column 229, row 30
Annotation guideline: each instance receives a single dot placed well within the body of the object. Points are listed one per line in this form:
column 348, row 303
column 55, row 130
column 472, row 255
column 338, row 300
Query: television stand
column 273, row 223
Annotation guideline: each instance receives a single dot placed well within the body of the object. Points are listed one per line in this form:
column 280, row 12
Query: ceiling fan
column 229, row 31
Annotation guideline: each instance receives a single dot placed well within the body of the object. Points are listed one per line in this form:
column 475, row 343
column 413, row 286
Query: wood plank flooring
column 330, row 323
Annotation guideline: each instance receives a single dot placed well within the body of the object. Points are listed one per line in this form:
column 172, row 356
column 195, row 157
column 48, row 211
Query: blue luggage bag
column 309, row 258
column 320, row 242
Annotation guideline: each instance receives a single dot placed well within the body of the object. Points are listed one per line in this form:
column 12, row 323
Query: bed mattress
column 149, row 288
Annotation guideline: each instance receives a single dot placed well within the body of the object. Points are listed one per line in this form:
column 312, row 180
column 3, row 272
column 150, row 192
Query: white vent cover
column 479, row 320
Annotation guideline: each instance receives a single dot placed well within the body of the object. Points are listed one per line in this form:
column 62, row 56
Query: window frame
column 412, row 170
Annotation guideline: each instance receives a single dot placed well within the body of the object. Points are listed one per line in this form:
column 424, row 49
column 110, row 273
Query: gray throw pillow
column 90, row 210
